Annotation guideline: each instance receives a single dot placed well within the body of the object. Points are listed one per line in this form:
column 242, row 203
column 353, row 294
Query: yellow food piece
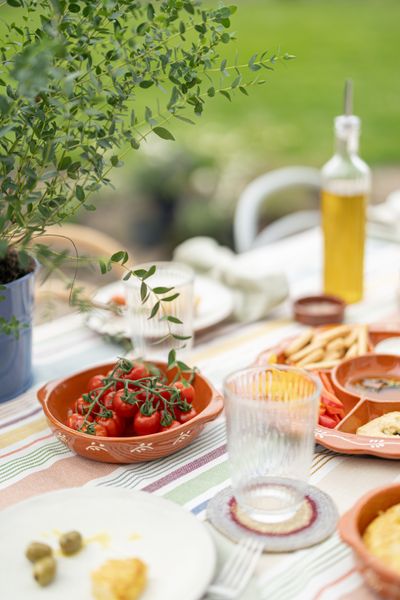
column 119, row 579
column 387, row 425
column 382, row 537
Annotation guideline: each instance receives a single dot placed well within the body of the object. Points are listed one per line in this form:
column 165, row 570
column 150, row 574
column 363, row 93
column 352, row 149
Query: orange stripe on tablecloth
column 333, row 583
column 72, row 471
column 45, row 437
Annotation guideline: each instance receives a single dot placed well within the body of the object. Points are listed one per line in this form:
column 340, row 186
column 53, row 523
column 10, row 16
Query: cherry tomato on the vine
column 76, row 421
column 107, row 401
column 173, row 425
column 122, row 407
column 184, row 417
column 95, row 429
column 139, row 371
column 113, row 424
column 95, row 382
column 82, row 406
column 186, row 391
column 147, row 424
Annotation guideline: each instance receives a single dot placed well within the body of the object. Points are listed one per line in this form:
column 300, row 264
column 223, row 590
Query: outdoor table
column 33, row 461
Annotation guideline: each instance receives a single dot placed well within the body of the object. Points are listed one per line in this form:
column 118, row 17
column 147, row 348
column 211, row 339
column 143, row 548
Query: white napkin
column 257, row 290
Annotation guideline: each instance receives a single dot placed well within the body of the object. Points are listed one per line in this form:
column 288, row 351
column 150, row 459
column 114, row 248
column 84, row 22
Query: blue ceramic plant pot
column 16, row 352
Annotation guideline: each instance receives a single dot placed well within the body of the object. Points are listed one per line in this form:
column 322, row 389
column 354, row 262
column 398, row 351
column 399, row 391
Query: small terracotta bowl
column 57, row 397
column 352, row 525
column 319, row 310
column 369, row 365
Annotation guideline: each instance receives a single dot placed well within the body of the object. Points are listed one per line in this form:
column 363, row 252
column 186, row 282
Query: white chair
column 246, row 218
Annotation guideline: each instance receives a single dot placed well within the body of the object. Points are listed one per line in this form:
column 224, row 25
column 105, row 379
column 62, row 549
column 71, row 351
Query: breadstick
column 362, row 340
column 352, row 351
column 307, row 350
column 325, row 364
column 333, row 333
column 314, row 356
column 350, row 338
column 333, row 355
column 299, row 343
column 334, row 345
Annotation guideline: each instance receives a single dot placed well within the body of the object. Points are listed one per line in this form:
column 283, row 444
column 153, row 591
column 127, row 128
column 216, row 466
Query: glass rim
column 270, row 367
column 185, row 269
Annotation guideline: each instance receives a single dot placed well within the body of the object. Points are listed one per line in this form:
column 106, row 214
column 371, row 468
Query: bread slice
column 119, row 579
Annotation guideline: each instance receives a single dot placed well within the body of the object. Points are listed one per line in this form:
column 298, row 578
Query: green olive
column 71, row 542
column 44, row 570
column 36, row 550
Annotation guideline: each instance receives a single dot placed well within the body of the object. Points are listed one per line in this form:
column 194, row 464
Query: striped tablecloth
column 32, row 461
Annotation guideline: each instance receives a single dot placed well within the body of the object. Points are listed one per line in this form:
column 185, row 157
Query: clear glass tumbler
column 271, row 415
column 152, row 337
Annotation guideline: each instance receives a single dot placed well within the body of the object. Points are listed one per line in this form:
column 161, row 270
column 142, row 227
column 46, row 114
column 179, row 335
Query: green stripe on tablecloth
column 32, row 460
column 195, row 487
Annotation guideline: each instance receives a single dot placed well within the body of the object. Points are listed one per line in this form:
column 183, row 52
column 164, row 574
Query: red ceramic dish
column 358, row 411
column 58, row 397
column 352, row 525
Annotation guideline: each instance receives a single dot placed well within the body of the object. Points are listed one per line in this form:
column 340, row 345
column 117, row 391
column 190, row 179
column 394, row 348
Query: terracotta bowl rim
column 127, row 439
column 353, row 537
column 337, row 383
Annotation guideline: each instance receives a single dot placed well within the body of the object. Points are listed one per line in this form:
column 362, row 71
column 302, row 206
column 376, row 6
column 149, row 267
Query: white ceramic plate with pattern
column 213, row 303
column 117, row 523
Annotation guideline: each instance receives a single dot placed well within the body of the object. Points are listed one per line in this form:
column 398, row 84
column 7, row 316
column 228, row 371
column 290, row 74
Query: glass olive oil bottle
column 345, row 189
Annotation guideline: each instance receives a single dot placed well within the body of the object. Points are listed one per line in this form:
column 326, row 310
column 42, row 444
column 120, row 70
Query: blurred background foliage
column 172, row 190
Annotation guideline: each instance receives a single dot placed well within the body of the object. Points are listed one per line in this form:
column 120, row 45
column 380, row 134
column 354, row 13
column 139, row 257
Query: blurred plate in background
column 213, row 303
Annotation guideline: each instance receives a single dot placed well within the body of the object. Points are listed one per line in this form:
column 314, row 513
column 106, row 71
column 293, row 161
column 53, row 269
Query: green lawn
column 289, row 120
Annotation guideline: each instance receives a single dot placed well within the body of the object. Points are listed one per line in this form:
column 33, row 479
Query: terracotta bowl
column 369, row 365
column 57, row 397
column 351, row 528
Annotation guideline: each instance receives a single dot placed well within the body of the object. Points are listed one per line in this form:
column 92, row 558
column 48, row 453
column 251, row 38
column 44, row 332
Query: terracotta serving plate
column 358, row 411
column 58, row 397
column 352, row 525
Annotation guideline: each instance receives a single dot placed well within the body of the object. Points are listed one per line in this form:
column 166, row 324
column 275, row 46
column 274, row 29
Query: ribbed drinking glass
column 271, row 415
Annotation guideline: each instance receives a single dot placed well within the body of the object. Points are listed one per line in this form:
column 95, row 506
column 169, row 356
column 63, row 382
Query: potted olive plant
column 78, row 84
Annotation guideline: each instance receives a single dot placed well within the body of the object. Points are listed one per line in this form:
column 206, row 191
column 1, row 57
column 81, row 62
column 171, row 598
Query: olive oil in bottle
column 345, row 190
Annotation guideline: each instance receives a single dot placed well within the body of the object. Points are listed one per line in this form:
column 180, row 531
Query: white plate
column 214, row 304
column 176, row 546
column 389, row 346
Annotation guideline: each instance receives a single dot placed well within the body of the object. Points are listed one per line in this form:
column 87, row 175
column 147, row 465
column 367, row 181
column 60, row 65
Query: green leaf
column 118, row 256
column 171, row 358
column 154, row 310
column 162, row 290
column 226, row 94
column 146, row 83
column 175, row 320
column 143, row 292
column 171, row 298
column 103, row 267
column 127, row 276
column 80, row 193
column 188, row 6
column 163, row 133
column 243, row 90
column 150, row 12
column 150, row 272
